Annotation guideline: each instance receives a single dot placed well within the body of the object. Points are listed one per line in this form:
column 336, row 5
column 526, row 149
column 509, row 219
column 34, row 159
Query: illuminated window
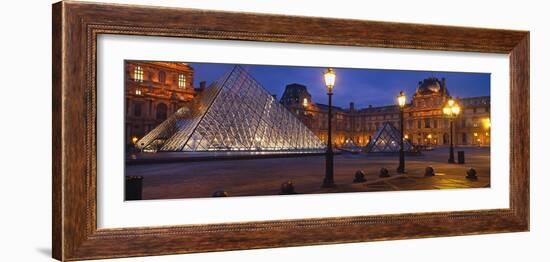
column 138, row 91
column 305, row 102
column 138, row 74
column 182, row 81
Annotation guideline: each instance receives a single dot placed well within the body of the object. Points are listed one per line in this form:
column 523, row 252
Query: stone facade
column 424, row 121
column 154, row 91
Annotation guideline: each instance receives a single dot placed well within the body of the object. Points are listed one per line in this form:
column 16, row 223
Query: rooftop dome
column 431, row 85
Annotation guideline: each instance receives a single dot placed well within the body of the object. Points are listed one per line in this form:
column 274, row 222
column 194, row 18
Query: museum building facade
column 424, row 121
column 154, row 91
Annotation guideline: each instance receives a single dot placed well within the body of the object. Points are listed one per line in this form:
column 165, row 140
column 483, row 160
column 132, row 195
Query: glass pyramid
column 386, row 140
column 233, row 114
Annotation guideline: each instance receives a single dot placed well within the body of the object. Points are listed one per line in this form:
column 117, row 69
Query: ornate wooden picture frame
column 76, row 26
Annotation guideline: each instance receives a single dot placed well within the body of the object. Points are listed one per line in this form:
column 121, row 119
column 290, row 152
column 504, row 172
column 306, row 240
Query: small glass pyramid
column 386, row 140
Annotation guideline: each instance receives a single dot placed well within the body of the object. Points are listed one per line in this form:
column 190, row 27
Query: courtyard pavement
column 253, row 177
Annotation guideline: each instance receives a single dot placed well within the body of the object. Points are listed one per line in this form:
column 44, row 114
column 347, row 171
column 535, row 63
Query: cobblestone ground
column 265, row 176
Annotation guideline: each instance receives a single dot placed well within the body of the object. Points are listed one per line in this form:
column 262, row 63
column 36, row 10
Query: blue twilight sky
column 362, row 86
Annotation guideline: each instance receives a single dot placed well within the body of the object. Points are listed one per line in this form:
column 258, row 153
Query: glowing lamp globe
column 401, row 99
column 330, row 79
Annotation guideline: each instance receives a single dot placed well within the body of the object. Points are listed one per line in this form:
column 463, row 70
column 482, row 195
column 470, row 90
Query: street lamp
column 401, row 100
column 451, row 110
column 330, row 79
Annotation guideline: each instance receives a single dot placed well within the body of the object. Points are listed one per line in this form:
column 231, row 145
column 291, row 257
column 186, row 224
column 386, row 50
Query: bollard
column 220, row 193
column 461, row 157
column 384, row 172
column 471, row 174
column 429, row 171
column 359, row 177
column 133, row 188
column 287, row 188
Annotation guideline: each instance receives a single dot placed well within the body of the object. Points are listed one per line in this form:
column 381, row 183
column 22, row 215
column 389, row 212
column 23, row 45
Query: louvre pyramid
column 386, row 140
column 233, row 114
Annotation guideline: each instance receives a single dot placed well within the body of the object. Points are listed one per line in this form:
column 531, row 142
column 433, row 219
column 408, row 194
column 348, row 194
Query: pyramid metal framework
column 386, row 140
column 233, row 114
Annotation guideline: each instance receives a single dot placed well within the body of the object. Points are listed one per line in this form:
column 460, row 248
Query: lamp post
column 330, row 78
column 451, row 110
column 401, row 100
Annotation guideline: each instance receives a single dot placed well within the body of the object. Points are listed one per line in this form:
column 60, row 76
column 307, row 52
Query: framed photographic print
column 194, row 131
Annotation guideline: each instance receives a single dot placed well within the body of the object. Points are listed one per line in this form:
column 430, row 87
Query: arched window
column 182, row 81
column 162, row 111
column 138, row 74
column 162, row 77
